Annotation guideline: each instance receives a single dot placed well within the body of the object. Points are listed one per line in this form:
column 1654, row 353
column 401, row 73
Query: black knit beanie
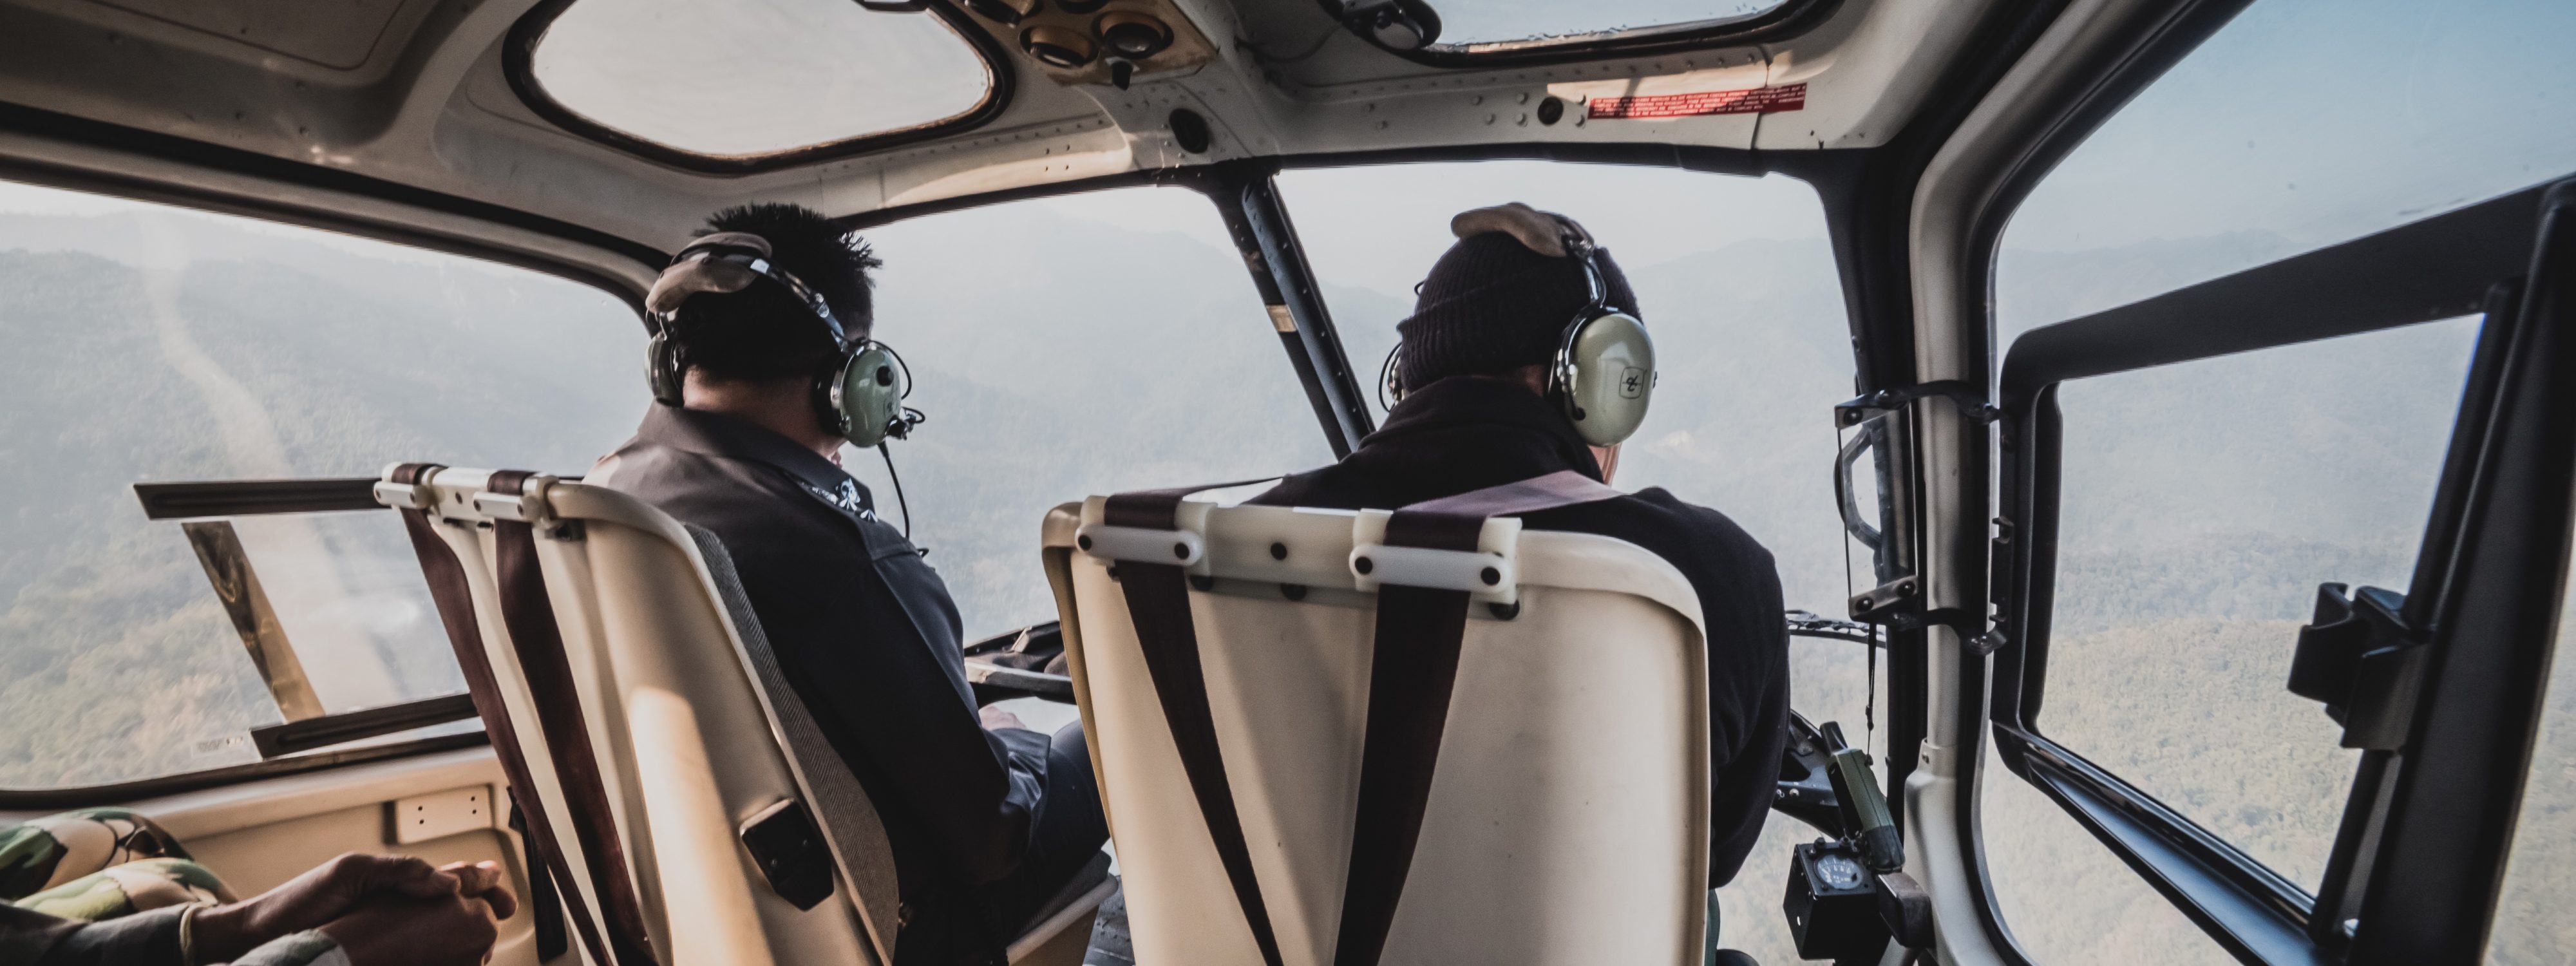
column 1491, row 305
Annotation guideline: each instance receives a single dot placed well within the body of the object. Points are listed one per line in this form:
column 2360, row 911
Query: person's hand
column 483, row 880
column 457, row 929
column 322, row 894
column 994, row 717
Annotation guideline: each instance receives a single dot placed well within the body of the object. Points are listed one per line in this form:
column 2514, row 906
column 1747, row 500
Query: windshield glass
column 154, row 344
column 754, row 77
column 1470, row 23
column 1068, row 347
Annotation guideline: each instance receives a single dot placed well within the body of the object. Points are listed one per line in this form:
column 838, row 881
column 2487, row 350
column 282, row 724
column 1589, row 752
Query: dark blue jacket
column 866, row 630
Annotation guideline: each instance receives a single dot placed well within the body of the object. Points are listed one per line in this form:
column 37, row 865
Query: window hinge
column 1971, row 401
column 2360, row 658
column 1899, row 605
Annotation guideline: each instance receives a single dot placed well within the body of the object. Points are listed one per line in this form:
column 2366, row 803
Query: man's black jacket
column 1467, row 433
column 867, row 632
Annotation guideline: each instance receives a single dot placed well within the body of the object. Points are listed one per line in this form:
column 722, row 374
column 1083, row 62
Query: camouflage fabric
column 104, row 865
column 308, row 948
column 100, row 863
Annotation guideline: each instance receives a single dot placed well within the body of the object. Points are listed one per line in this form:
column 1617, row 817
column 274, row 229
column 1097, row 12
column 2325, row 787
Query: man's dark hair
column 762, row 333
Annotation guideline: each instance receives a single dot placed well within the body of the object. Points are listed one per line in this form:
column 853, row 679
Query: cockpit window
column 750, row 79
column 157, row 345
column 1473, row 26
column 1068, row 347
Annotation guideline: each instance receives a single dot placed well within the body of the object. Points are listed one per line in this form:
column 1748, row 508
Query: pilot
column 1478, row 406
column 764, row 371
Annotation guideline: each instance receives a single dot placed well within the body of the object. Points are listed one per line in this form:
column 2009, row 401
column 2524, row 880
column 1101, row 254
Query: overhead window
column 1475, row 24
column 752, row 79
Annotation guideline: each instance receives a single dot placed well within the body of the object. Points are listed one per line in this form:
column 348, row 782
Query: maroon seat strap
column 449, row 590
column 529, row 613
column 1158, row 602
column 1413, row 667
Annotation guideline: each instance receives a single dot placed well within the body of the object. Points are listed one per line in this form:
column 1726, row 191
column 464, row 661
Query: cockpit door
column 2432, row 684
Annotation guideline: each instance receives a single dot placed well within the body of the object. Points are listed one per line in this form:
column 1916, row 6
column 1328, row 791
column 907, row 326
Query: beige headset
column 1603, row 374
column 859, row 396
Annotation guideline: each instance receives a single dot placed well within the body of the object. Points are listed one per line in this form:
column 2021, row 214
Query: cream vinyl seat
column 704, row 752
column 1567, row 820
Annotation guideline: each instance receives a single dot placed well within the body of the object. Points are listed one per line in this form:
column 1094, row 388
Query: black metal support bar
column 2357, row 840
column 1248, row 200
column 2433, row 888
column 241, row 498
column 1970, row 399
column 2437, row 268
column 2258, row 916
column 277, row 741
column 1811, row 624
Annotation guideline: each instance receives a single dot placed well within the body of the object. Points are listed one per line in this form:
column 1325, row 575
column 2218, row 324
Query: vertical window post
column 1248, row 200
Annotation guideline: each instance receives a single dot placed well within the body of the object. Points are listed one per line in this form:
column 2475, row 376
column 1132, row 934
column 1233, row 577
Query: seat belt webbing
column 1409, row 690
column 1158, row 602
column 528, row 612
column 1413, row 667
column 851, row 826
column 449, row 591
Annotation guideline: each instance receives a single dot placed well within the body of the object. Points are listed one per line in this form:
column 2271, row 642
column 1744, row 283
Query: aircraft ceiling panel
column 338, row 35
column 429, row 104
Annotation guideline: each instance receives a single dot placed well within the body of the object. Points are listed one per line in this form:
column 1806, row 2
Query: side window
column 1738, row 287
column 153, row 344
column 1066, row 347
column 2190, row 543
column 2201, row 503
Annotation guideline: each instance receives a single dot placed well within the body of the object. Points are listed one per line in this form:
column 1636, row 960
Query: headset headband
column 730, row 261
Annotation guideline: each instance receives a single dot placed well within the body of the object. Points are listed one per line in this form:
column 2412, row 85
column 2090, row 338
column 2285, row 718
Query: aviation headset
column 859, row 394
column 1603, row 374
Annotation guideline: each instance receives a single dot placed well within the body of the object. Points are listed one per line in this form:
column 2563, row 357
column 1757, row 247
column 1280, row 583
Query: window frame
column 1786, row 21
column 518, row 66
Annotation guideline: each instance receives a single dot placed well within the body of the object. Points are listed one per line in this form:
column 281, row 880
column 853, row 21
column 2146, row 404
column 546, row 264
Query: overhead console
column 1100, row 41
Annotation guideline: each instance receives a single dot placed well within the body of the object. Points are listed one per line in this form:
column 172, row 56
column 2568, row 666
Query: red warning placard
column 1759, row 100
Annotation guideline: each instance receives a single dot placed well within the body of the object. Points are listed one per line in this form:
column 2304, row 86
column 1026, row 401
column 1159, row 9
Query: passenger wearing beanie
column 1475, row 413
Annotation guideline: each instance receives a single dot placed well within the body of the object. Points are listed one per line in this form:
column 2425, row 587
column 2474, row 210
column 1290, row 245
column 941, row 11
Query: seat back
column 1568, row 814
column 696, row 734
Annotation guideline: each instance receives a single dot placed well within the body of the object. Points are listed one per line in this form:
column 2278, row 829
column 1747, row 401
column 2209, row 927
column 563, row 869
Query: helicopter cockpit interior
column 2185, row 368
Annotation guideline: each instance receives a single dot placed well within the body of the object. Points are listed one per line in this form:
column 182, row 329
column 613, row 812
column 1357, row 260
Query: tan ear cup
column 1606, row 371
